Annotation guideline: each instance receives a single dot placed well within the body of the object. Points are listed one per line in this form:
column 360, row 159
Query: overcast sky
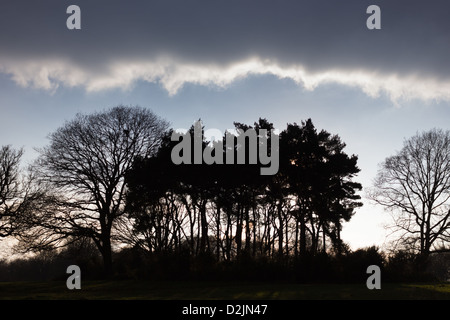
column 225, row 61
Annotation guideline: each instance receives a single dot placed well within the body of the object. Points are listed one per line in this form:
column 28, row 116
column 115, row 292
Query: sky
column 225, row 61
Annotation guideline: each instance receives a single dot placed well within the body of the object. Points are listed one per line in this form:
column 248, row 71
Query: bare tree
column 83, row 172
column 414, row 185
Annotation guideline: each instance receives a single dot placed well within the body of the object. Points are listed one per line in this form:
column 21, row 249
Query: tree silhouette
column 319, row 175
column 233, row 211
column 84, row 168
column 414, row 185
column 10, row 189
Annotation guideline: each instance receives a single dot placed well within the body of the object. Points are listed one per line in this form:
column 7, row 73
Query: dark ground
column 147, row 290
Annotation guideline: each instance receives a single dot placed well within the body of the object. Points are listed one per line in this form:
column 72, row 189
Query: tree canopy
column 230, row 210
column 110, row 177
column 83, row 171
column 414, row 185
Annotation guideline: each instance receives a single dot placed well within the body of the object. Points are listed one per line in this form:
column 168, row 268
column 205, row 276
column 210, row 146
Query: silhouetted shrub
column 52, row 265
column 135, row 263
column 353, row 266
column 42, row 267
column 138, row 264
column 406, row 266
column 315, row 268
column 439, row 266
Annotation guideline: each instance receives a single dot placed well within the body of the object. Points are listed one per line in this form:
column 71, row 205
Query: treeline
column 120, row 195
column 229, row 211
column 114, row 177
column 113, row 182
column 137, row 264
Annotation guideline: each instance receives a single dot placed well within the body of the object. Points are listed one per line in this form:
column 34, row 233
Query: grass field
column 141, row 290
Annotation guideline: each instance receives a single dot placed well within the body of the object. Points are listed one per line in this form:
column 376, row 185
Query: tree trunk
column 203, row 227
column 280, row 230
column 296, row 238
column 218, row 244
column 239, row 232
column 106, row 252
column 247, row 230
column 302, row 234
column 324, row 239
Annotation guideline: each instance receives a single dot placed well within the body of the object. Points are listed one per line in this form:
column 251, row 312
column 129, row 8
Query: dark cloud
column 319, row 35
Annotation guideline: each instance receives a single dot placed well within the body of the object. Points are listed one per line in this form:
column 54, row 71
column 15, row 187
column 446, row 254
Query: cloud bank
column 173, row 75
column 213, row 43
